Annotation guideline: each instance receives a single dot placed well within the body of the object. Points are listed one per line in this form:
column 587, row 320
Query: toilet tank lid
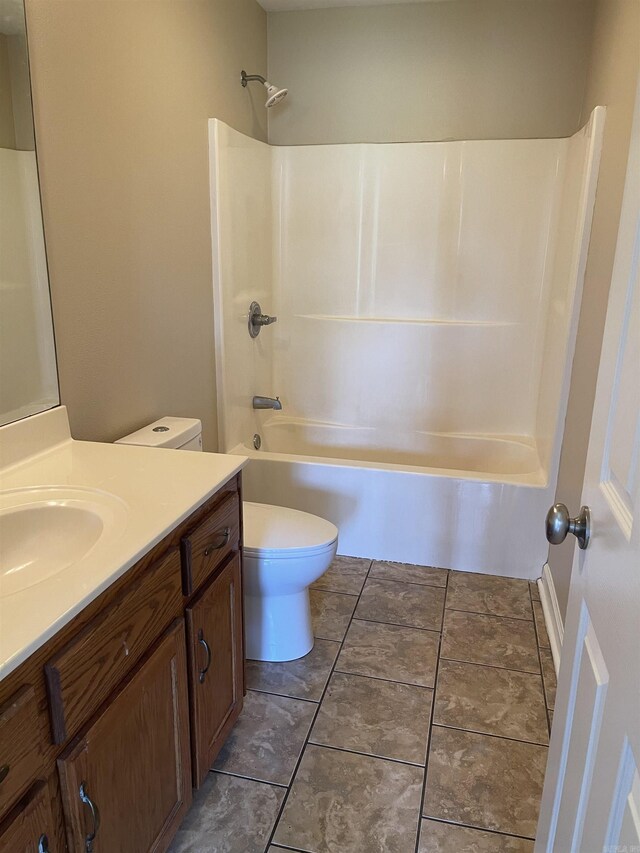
column 278, row 528
column 167, row 432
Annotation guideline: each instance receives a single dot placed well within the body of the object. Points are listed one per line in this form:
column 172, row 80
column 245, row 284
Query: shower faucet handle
column 264, row 319
column 257, row 319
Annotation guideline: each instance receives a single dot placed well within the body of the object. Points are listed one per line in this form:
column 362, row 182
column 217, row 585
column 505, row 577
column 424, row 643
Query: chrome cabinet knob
column 559, row 523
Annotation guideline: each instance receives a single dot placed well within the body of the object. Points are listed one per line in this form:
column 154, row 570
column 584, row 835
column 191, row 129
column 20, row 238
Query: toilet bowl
column 285, row 551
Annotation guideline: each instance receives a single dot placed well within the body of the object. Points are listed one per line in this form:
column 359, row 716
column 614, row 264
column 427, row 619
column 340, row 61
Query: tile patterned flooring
column 419, row 723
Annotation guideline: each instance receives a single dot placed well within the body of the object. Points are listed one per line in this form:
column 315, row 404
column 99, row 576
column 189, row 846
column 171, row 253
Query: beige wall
column 122, row 93
column 7, row 125
column 612, row 80
column 21, row 91
column 462, row 70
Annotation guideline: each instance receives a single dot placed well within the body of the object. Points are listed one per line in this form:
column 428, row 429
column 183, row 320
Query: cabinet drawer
column 85, row 672
column 20, row 745
column 210, row 543
column 32, row 829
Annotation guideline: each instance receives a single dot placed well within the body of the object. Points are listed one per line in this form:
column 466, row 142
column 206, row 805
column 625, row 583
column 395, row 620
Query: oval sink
column 45, row 531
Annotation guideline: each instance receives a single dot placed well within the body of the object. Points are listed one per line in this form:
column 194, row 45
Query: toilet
column 284, row 552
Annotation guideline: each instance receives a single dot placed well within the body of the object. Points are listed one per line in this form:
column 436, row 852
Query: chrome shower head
column 274, row 94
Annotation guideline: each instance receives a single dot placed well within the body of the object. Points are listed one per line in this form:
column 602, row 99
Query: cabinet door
column 126, row 783
column 33, row 829
column 214, row 627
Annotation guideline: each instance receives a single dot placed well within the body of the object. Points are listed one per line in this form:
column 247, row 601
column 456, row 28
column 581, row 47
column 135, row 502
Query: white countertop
column 153, row 491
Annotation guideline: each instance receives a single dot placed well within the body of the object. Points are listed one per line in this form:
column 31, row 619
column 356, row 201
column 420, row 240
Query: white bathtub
column 468, row 502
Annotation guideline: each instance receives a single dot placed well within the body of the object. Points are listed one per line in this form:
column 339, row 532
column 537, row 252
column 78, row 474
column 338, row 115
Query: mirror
column 28, row 376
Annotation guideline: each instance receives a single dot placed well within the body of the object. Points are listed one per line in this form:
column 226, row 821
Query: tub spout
column 267, row 403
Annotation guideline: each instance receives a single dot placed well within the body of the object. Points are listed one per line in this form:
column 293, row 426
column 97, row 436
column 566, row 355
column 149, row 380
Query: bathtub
column 468, row 502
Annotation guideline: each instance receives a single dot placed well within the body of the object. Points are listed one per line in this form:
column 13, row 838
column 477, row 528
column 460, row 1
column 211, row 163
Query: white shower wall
column 427, row 299
column 412, row 283
column 243, row 269
column 411, row 280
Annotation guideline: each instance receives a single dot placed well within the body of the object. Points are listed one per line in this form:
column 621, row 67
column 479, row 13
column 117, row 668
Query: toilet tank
column 174, row 433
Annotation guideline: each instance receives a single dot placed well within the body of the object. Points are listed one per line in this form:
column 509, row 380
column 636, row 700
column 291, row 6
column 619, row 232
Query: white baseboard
column 552, row 615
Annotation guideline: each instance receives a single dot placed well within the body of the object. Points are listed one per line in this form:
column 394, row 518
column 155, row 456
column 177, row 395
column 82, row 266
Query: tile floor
column 419, row 723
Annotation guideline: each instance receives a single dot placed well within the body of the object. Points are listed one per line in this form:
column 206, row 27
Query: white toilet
column 285, row 551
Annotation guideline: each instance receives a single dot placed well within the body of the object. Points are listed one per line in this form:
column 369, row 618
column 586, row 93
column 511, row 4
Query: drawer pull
column 220, row 543
column 95, row 815
column 4, row 772
column 203, row 672
column 43, row 844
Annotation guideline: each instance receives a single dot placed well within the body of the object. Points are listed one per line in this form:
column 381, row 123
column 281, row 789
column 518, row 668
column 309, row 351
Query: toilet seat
column 281, row 532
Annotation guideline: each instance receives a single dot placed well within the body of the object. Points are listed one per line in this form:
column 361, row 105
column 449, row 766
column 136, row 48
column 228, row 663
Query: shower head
column 274, row 94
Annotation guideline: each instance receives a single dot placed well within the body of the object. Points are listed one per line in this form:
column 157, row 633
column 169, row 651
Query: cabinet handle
column 43, row 844
column 220, row 543
column 207, row 649
column 4, row 772
column 95, row 815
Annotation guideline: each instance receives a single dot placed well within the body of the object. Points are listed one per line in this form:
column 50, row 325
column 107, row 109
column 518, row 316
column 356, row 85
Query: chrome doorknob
column 559, row 523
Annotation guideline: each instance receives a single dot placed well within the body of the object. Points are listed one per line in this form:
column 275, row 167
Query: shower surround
column 427, row 296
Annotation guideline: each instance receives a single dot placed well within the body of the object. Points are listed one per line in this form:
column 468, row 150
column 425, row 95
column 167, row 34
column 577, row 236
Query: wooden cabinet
column 20, row 744
column 100, row 727
column 215, row 643
column 210, row 544
column 127, row 779
column 88, row 669
column 33, row 828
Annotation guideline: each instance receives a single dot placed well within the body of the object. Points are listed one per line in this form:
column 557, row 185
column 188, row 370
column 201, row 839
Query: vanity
column 121, row 672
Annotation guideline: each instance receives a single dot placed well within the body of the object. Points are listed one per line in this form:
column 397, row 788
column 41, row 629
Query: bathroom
column 436, row 213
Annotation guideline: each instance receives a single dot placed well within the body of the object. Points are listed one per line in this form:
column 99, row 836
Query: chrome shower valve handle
column 257, row 319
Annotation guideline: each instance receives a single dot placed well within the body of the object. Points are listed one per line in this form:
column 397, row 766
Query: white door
column 591, row 799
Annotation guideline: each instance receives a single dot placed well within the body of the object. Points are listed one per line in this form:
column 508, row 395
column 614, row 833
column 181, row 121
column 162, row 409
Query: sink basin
column 45, row 531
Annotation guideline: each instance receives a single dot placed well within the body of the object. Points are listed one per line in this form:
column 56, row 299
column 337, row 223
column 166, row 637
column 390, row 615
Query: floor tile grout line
column 544, row 686
column 315, row 716
column 490, row 734
column 283, row 695
column 380, row 678
column 248, row 778
column 493, row 666
column 535, row 622
column 367, row 754
column 401, row 624
column 411, row 583
column 498, row 832
column 332, row 639
column 334, row 591
column 430, row 732
column 491, row 615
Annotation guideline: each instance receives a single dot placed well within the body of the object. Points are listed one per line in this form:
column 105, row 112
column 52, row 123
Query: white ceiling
column 289, row 5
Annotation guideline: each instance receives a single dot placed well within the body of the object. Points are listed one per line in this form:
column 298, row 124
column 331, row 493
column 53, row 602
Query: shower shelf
column 414, row 321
